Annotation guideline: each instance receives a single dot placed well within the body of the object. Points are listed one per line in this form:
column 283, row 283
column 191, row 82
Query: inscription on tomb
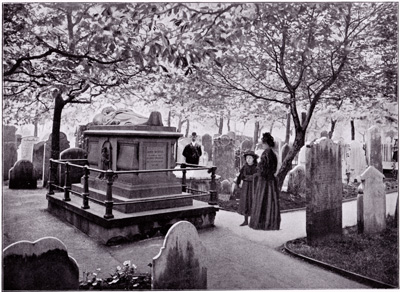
column 156, row 157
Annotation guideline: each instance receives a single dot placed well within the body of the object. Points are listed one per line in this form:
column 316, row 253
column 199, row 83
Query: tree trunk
column 221, row 125
column 352, row 130
column 35, row 130
column 228, row 124
column 286, row 166
column 271, row 127
column 59, row 104
column 333, row 124
column 255, row 136
column 187, row 128
column 287, row 137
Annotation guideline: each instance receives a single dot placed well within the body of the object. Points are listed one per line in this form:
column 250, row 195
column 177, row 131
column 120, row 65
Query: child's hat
column 250, row 153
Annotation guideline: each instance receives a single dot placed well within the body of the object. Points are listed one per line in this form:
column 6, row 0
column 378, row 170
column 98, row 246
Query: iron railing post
column 109, row 200
column 67, row 184
column 184, row 187
column 50, row 182
column 213, row 187
column 85, row 194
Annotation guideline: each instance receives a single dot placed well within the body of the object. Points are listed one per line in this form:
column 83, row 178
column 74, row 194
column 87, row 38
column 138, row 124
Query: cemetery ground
column 238, row 257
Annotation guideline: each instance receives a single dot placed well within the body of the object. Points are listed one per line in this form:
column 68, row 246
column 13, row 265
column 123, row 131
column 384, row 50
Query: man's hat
column 247, row 153
column 194, row 134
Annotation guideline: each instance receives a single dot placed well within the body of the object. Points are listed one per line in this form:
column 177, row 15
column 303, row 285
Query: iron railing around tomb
column 110, row 176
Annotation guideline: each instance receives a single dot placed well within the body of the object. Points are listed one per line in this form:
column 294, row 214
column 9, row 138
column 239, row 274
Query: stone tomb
column 180, row 264
column 40, row 265
column 323, row 189
column 136, row 147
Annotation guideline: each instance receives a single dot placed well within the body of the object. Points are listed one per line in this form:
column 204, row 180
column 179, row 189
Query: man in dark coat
column 192, row 151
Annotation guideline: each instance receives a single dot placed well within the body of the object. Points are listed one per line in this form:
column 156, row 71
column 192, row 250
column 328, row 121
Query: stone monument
column 374, row 148
column 323, row 189
column 224, row 157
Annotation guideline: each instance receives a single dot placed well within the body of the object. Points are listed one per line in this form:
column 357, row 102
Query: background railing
column 110, row 176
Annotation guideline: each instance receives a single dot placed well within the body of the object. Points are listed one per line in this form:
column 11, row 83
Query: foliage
column 124, row 278
column 372, row 255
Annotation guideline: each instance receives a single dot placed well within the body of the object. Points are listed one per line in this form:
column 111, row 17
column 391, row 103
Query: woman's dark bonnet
column 267, row 138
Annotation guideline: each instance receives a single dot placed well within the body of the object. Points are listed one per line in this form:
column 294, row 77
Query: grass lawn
column 374, row 256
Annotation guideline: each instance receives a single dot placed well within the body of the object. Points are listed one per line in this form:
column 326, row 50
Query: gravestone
column 206, row 140
column 345, row 150
column 297, row 181
column 180, row 264
column 323, row 189
column 356, row 160
column 374, row 148
column 64, row 144
column 75, row 173
column 231, row 135
column 226, row 186
column 373, row 203
column 27, row 145
column 284, row 151
column 37, row 158
column 325, row 134
column 224, row 157
column 40, row 265
column 301, row 160
column 10, row 154
column 22, row 176
column 246, row 145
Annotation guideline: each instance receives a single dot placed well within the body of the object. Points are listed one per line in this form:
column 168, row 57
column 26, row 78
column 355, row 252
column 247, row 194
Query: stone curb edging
column 353, row 276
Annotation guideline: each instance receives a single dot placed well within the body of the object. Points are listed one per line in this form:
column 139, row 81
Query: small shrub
column 124, row 278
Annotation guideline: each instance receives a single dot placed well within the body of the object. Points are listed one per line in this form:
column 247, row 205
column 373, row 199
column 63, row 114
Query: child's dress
column 246, row 175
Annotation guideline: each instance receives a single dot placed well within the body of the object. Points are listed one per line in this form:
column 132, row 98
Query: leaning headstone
column 325, row 134
column 75, row 173
column 284, row 151
column 323, row 189
column 40, row 265
column 356, row 160
column 27, row 145
column 374, row 148
column 374, row 201
column 22, row 176
column 297, row 181
column 64, row 144
column 206, row 140
column 224, row 157
column 231, row 135
column 180, row 264
column 37, row 158
column 10, row 154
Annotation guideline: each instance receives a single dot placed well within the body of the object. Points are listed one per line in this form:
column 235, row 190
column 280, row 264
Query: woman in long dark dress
column 265, row 211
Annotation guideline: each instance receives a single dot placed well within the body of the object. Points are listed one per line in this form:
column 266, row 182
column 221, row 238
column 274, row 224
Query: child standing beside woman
column 246, row 178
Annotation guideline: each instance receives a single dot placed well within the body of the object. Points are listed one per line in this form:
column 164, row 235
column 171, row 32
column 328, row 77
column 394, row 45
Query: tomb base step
column 127, row 226
column 133, row 205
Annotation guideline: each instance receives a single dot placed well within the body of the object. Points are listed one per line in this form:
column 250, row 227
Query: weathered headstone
column 226, row 186
column 323, row 189
column 10, row 154
column 373, row 218
column 37, row 159
column 301, row 160
column 180, row 264
column 345, row 150
column 297, row 181
column 224, row 157
column 231, row 135
column 356, row 160
column 374, row 148
column 64, row 144
column 40, row 265
column 246, row 145
column 324, row 134
column 27, row 145
column 75, row 173
column 284, row 151
column 21, row 176
column 206, row 140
